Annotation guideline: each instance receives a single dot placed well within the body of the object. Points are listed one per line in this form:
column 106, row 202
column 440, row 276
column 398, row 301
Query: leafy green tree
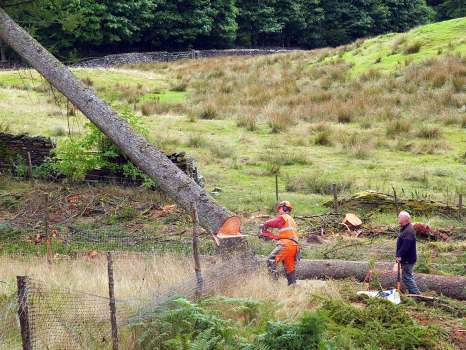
column 177, row 24
column 446, row 9
column 257, row 22
column 224, row 25
column 126, row 21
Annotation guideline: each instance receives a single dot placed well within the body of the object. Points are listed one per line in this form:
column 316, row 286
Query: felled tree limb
column 450, row 286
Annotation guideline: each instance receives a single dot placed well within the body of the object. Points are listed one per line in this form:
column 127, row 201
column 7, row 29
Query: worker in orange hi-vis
column 287, row 250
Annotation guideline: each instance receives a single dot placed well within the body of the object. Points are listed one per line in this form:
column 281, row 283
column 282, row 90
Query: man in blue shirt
column 406, row 251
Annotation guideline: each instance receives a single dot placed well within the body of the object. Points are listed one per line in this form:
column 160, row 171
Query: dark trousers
column 408, row 278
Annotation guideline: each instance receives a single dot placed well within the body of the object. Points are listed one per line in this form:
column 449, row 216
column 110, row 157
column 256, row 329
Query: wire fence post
column 276, row 187
column 46, row 228
column 111, row 294
column 395, row 198
column 23, row 313
column 460, row 206
column 197, row 261
column 29, row 166
column 335, row 198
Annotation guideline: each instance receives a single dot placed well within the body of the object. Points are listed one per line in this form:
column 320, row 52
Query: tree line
column 76, row 28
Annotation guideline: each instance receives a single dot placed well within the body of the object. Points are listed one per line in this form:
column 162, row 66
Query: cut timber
column 450, row 286
column 371, row 201
column 145, row 156
column 351, row 221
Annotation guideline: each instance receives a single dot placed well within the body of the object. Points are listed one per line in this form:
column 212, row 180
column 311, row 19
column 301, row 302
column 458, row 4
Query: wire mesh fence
column 66, row 315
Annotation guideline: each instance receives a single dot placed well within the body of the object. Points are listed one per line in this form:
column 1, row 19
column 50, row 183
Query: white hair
column 404, row 214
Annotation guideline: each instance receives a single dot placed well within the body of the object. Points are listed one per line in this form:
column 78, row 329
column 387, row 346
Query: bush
column 380, row 324
column 78, row 155
column 306, row 334
column 181, row 324
column 317, row 182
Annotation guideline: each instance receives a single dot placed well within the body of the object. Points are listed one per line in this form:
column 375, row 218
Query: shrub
column 429, row 132
column 380, row 324
column 317, row 182
column 412, row 48
column 306, row 334
column 181, row 324
column 76, row 156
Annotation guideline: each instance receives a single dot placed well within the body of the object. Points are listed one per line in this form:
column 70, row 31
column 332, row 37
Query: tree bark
column 182, row 189
column 450, row 286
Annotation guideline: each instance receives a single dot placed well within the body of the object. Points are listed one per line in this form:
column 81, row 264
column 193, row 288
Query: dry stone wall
column 163, row 56
column 14, row 149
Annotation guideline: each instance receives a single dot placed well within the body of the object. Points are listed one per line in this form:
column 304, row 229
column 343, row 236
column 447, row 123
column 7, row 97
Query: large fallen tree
column 450, row 286
column 172, row 181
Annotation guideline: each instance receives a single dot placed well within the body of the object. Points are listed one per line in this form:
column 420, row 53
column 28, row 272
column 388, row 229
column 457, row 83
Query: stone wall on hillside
column 162, row 56
column 14, row 148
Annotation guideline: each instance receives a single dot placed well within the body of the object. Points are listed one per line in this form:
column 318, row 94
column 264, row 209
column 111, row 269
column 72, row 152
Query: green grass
column 368, row 149
column 383, row 54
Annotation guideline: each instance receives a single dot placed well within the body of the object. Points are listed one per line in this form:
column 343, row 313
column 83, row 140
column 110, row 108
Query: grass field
column 323, row 116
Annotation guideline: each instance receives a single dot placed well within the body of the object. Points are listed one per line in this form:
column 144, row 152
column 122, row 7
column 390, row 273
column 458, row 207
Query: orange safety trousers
column 285, row 253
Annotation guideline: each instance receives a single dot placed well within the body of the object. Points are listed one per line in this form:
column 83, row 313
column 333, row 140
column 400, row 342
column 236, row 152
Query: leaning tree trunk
column 182, row 189
column 450, row 286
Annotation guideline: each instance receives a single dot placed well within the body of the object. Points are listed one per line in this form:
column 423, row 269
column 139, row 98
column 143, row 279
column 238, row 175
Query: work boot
column 291, row 277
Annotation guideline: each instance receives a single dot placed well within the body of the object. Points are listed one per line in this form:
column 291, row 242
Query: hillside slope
column 319, row 117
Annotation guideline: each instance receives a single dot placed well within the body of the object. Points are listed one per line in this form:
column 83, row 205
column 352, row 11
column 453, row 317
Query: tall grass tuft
column 318, row 182
column 247, row 121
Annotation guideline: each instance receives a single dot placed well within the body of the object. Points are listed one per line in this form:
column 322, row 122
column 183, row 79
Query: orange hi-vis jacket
column 288, row 232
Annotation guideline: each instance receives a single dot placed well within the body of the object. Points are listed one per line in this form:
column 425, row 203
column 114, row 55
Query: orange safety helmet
column 285, row 204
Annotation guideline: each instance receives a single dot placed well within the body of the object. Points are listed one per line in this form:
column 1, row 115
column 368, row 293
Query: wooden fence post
column 111, row 294
column 29, row 166
column 460, row 206
column 335, row 198
column 397, row 206
column 46, row 228
column 197, row 261
column 276, row 187
column 23, row 312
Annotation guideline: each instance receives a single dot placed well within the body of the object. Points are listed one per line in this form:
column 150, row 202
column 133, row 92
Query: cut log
column 172, row 181
column 450, row 286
